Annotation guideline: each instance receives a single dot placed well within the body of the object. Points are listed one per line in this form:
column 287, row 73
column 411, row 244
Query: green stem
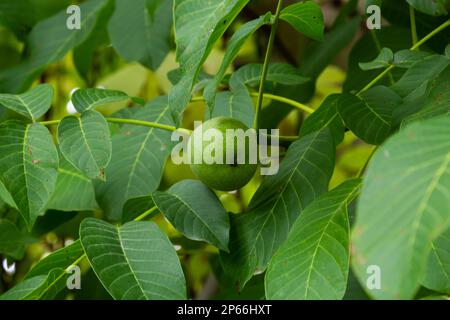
column 414, row 47
column 412, row 17
column 363, row 169
column 146, row 214
column 266, row 63
column 128, row 121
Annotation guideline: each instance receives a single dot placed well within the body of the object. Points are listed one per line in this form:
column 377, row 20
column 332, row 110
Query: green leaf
column 194, row 210
column 25, row 290
column 73, row 191
column 237, row 105
column 133, row 262
column 234, row 46
column 32, row 104
column 134, row 207
column 28, row 166
column 141, row 32
column 431, row 7
column 313, row 262
column 13, row 241
column 59, row 259
column 437, row 276
column 383, row 60
column 305, row 17
column 304, row 175
column 438, row 100
column 198, row 25
column 406, row 58
column 282, row 73
column 420, row 72
column 404, row 206
column 369, row 117
column 87, row 99
column 138, row 158
column 6, row 197
column 49, row 41
column 326, row 116
column 85, row 142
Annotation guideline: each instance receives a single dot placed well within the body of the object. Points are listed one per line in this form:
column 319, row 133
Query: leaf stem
column 266, row 63
column 364, row 167
column 414, row 47
column 412, row 17
column 146, row 214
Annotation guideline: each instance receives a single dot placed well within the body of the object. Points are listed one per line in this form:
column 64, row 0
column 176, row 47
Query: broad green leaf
column 28, row 166
column 313, row 262
column 59, row 259
column 304, row 175
column 25, row 290
column 85, row 142
column 141, row 31
column 49, row 41
column 194, row 210
column 198, row 25
column 73, row 191
column 404, row 206
column 32, row 104
column 437, row 276
column 326, row 116
column 306, row 17
column 237, row 105
column 406, row 58
column 431, row 7
column 138, row 158
column 383, row 60
column 282, row 73
column 12, row 240
column 425, row 70
column 87, row 99
column 438, row 101
column 369, row 116
column 134, row 207
column 234, row 46
column 135, row 261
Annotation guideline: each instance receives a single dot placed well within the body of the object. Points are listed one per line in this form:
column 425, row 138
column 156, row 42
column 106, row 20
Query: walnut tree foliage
column 102, row 175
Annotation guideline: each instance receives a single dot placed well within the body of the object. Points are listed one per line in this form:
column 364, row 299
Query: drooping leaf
column 433, row 7
column 237, row 105
column 313, row 262
column 282, row 73
column 427, row 69
column 87, row 99
column 138, row 158
column 28, row 166
column 406, row 58
column 25, row 290
column 326, row 116
column 135, row 261
column 383, row 60
column 141, row 32
column 304, row 175
column 438, row 100
column 394, row 230
column 85, row 142
column 194, row 210
column 12, row 240
column 437, row 276
column 235, row 44
column 369, row 116
column 49, row 41
column 32, row 104
column 73, row 191
column 306, row 17
column 198, row 25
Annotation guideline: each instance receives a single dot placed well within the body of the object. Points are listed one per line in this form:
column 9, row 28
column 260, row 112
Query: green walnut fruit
column 232, row 172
